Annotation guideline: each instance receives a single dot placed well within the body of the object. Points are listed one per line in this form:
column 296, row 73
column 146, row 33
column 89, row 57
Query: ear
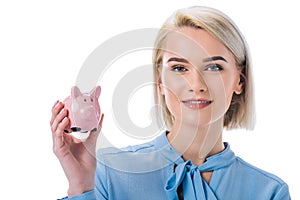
column 239, row 88
column 75, row 92
column 160, row 87
column 96, row 92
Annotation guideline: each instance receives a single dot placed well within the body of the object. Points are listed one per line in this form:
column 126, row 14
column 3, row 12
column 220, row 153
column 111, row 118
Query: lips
column 197, row 104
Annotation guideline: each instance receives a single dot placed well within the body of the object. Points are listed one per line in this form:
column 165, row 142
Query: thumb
column 92, row 139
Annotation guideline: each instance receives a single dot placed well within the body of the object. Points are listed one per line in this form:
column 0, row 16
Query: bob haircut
column 241, row 112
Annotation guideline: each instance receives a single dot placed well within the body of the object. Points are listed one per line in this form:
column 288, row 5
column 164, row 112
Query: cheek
column 173, row 88
column 221, row 91
column 173, row 84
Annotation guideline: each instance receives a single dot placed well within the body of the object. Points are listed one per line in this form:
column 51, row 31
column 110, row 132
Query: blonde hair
column 241, row 112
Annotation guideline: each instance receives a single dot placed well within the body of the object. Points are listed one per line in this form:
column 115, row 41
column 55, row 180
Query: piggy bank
column 83, row 112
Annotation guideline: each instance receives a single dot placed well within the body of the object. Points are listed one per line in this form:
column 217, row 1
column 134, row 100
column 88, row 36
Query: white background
column 44, row 43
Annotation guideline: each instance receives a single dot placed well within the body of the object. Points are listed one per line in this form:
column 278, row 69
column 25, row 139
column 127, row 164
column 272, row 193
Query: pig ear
column 96, row 92
column 75, row 92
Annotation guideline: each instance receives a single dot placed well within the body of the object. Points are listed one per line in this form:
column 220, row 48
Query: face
column 198, row 77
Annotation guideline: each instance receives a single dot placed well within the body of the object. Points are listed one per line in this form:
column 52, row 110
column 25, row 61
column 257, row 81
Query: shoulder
column 132, row 159
column 261, row 181
column 154, row 145
column 246, row 168
column 140, row 148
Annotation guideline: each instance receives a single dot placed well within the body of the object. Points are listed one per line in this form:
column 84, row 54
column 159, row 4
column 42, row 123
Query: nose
column 197, row 83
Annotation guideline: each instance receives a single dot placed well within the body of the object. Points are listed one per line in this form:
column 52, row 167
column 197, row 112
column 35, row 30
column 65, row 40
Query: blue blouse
column 155, row 170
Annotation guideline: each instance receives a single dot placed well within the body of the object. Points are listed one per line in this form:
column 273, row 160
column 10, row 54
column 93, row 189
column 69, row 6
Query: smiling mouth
column 197, row 103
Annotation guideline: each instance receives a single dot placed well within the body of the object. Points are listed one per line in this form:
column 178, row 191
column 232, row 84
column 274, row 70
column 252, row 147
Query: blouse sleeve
column 101, row 183
column 90, row 195
column 283, row 193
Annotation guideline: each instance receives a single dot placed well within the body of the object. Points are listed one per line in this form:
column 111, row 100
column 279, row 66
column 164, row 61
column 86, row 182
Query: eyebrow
column 209, row 59
column 178, row 60
column 214, row 58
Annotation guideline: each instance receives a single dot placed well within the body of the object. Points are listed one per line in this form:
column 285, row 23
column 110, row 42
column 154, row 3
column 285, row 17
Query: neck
column 196, row 143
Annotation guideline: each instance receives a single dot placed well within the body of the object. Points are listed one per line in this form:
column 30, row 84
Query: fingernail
column 55, row 104
column 63, row 111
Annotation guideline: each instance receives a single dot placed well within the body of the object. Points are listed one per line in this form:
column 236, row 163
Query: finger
column 62, row 126
column 92, row 139
column 68, row 138
column 55, row 104
column 61, row 115
column 99, row 126
column 55, row 110
column 58, row 135
column 100, row 123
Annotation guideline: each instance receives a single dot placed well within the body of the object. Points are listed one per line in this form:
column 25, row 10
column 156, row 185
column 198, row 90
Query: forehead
column 192, row 44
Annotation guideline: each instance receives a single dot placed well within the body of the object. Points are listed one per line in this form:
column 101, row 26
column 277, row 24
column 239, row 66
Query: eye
column 84, row 100
column 92, row 100
column 213, row 67
column 179, row 68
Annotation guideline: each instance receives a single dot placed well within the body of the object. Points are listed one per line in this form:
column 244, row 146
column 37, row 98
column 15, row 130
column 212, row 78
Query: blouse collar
column 220, row 160
column 188, row 175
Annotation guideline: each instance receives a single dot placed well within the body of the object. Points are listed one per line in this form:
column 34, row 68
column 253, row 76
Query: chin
column 202, row 119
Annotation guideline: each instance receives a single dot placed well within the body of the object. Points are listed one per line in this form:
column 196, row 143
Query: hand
column 77, row 158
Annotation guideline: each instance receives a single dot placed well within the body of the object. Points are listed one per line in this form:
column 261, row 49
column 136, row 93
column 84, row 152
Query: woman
column 202, row 69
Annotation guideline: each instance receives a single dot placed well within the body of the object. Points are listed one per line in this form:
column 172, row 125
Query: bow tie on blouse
column 189, row 176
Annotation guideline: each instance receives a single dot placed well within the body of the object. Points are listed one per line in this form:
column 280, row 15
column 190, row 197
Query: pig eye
column 92, row 100
column 84, row 100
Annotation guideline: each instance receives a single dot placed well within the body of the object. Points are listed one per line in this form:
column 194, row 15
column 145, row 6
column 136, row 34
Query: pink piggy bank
column 83, row 112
